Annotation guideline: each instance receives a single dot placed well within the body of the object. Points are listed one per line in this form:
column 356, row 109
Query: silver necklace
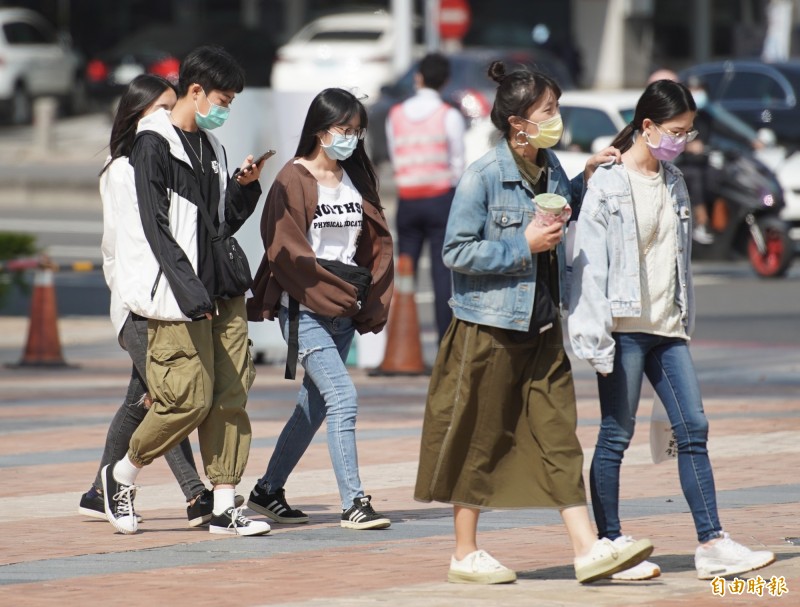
column 200, row 157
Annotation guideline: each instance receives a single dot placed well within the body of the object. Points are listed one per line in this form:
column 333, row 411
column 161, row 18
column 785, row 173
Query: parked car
column 764, row 95
column 159, row 49
column 591, row 120
column 35, row 62
column 469, row 89
column 347, row 50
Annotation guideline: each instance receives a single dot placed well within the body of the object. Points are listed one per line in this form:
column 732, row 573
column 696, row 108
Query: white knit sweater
column 655, row 230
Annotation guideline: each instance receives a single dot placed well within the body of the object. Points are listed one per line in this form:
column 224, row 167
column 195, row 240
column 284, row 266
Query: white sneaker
column 701, row 235
column 643, row 571
column 607, row 558
column 118, row 502
column 479, row 567
column 725, row 557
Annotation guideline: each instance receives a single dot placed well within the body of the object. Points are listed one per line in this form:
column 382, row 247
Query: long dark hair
column 337, row 106
column 516, row 92
column 140, row 95
column 662, row 100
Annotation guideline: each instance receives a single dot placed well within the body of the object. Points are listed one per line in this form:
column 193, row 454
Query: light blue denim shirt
column 605, row 281
column 494, row 271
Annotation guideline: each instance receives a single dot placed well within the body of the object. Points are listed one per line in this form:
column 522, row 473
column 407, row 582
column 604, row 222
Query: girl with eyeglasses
column 632, row 313
column 327, row 272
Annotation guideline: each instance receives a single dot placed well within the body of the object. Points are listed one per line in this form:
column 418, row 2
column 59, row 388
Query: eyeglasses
column 679, row 137
column 349, row 133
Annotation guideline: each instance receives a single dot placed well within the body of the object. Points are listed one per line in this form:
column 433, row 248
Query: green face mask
column 216, row 116
column 549, row 134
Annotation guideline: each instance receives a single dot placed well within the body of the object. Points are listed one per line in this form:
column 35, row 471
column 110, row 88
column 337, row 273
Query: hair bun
column 497, row 71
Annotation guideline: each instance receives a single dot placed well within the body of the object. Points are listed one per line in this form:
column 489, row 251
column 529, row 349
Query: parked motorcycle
column 746, row 201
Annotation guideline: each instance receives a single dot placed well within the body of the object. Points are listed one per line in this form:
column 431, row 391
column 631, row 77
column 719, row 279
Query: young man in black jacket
column 199, row 368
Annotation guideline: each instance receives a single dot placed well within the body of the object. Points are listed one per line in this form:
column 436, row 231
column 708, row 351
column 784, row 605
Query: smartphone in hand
column 264, row 156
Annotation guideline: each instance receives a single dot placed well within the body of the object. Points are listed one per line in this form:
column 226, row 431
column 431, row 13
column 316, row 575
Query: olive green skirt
column 500, row 419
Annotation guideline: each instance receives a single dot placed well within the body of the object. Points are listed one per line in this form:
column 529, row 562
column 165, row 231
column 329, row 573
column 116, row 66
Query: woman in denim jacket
column 631, row 314
column 499, row 428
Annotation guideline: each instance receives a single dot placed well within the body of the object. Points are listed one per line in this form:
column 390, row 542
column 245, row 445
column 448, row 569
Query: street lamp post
column 402, row 14
column 432, row 38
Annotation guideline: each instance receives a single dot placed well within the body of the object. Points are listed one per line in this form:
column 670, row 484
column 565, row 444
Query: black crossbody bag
column 230, row 263
column 359, row 277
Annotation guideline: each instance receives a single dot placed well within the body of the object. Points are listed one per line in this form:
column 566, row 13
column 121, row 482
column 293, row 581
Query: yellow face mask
column 549, row 134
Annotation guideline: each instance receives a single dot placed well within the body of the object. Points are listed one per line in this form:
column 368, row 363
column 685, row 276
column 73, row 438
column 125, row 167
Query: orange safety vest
column 421, row 158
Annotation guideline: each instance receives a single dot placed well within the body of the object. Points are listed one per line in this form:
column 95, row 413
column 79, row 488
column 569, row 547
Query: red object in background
column 168, row 68
column 454, row 18
column 96, row 71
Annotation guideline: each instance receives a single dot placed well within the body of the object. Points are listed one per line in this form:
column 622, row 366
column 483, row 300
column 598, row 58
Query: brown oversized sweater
column 290, row 265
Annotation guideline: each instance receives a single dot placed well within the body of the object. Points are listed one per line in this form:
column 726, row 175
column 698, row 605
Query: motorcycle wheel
column 779, row 249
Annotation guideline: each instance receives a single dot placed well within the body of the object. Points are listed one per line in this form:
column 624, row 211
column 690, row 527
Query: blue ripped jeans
column 668, row 366
column 327, row 391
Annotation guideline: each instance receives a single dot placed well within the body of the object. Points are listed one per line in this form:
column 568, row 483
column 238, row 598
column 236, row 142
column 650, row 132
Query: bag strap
column 293, row 340
column 207, row 220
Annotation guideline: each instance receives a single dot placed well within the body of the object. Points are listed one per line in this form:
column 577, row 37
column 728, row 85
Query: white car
column 33, row 63
column 346, row 50
column 591, row 120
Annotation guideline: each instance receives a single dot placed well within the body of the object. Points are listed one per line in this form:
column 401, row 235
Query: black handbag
column 231, row 268
column 360, row 278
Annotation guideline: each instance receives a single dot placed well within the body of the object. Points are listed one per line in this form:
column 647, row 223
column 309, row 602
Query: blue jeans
column 327, row 391
column 131, row 413
column 668, row 365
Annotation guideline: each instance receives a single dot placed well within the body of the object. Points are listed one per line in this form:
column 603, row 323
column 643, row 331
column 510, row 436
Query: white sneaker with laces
column 607, row 558
column 643, row 571
column 479, row 567
column 118, row 502
column 725, row 557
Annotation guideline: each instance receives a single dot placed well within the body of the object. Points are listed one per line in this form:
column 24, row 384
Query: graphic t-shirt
column 336, row 226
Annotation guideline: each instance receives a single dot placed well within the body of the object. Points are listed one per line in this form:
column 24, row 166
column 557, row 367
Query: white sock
column 223, row 499
column 125, row 472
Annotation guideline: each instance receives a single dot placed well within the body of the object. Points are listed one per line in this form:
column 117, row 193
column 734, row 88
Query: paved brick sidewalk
column 53, row 425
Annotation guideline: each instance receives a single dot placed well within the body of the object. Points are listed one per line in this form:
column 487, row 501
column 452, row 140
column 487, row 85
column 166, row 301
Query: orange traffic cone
column 403, row 345
column 43, row 348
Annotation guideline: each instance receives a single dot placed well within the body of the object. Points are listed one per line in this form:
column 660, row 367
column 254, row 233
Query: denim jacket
column 494, row 271
column 605, row 268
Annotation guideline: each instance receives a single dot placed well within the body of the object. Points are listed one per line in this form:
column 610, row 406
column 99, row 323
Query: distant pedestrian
column 327, row 272
column 425, row 136
column 717, row 129
column 499, row 428
column 631, row 315
column 123, row 238
column 199, row 367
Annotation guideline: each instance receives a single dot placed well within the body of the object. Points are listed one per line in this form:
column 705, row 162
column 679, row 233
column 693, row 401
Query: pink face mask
column 668, row 148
